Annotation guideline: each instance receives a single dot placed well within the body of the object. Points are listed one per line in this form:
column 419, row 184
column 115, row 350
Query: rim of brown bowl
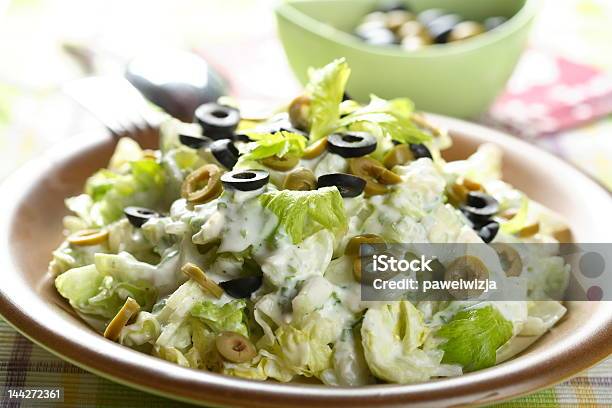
column 30, row 225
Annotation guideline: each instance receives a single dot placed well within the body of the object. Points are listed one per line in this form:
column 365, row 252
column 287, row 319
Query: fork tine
column 115, row 103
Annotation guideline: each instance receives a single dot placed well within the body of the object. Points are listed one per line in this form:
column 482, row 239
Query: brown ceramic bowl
column 32, row 207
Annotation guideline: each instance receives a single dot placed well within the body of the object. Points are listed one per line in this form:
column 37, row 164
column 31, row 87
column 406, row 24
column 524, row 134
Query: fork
column 118, row 105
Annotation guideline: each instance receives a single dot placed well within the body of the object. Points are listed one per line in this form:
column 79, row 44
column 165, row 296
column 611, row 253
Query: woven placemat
column 23, row 364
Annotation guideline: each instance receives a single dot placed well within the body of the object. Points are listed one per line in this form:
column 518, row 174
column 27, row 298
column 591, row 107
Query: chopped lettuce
column 473, row 337
column 303, row 213
column 393, row 336
column 92, row 292
column 68, row 257
column 177, row 164
column 516, row 223
column 325, row 89
column 165, row 276
column 349, row 365
column 144, row 330
column 111, row 192
column 127, row 151
column 273, row 144
column 203, row 353
column 228, row 317
column 392, row 118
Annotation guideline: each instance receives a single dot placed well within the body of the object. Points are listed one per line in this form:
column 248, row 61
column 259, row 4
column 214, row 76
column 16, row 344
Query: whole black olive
column 480, row 207
column 492, row 23
column 217, row 121
column 245, row 180
column 378, row 36
column 347, row 184
column 138, row 216
column 392, row 5
column 429, row 15
column 351, row 144
column 488, row 231
column 419, row 151
column 441, row 27
column 242, row 288
column 225, row 152
column 195, row 142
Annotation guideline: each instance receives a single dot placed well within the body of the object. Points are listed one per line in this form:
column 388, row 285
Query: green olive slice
column 88, row 237
column 510, row 259
column 301, row 179
column 235, row 347
column 456, row 194
column 284, row 163
column 399, row 155
column 354, row 244
column 529, row 230
column 377, row 177
column 202, row 185
column 299, row 112
column 466, row 268
column 198, row 275
column 563, row 235
column 129, row 309
column 315, row 149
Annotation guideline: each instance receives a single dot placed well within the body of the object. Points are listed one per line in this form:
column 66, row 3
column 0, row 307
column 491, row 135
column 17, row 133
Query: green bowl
column 460, row 79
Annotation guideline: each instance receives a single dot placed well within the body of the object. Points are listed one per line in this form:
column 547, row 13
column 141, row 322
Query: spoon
column 176, row 81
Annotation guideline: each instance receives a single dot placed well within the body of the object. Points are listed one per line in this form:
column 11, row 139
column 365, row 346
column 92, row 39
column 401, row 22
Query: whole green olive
column 202, row 185
column 354, row 244
column 397, row 18
column 412, row 29
column 301, row 179
column 416, row 42
column 299, row 112
column 465, row 30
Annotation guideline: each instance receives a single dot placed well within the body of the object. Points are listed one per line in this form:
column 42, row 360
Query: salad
column 232, row 248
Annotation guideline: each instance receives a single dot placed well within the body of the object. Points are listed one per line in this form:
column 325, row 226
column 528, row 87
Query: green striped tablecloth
column 25, row 364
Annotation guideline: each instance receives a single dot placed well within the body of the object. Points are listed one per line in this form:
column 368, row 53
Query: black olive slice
column 217, row 121
column 488, row 231
column 242, row 288
column 351, row 144
column 138, row 216
column 479, row 208
column 420, row 150
column 195, row 142
column 225, row 152
column 441, row 27
column 480, row 203
column 245, row 180
column 347, row 184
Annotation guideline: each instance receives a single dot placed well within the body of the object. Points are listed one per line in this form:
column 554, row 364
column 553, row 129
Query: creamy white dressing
column 330, row 163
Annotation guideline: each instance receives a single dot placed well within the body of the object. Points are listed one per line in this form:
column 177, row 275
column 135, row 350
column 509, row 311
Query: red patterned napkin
column 547, row 94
